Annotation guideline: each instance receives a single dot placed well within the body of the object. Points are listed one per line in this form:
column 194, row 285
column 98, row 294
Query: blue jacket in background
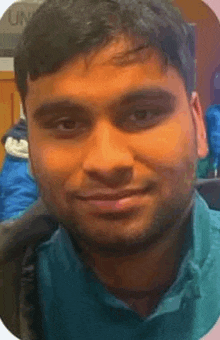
column 18, row 189
column 206, row 167
column 212, row 118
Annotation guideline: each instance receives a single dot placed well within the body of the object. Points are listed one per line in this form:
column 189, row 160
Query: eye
column 140, row 119
column 67, row 125
column 69, row 128
column 142, row 116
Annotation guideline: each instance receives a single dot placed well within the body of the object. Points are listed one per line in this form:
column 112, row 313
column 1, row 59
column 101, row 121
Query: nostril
column 113, row 177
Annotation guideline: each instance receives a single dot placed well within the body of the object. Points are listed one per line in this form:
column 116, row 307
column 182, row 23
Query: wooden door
column 207, row 30
column 9, row 106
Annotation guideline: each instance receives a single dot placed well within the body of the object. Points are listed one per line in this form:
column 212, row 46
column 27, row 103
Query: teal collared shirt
column 75, row 305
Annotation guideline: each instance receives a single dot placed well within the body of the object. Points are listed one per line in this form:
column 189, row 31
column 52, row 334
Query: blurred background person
column 210, row 166
column 18, row 189
column 213, row 130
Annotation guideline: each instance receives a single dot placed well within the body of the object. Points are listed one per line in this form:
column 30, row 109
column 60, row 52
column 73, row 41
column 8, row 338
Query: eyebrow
column 57, row 107
column 153, row 96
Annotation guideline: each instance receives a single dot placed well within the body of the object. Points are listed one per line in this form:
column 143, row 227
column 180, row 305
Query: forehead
column 104, row 75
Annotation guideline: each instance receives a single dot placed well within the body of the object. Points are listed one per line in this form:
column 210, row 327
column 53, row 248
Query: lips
column 105, row 202
column 110, row 196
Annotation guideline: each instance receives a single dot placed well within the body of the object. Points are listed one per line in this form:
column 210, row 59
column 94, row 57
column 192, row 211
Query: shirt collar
column 201, row 241
column 201, row 232
column 188, row 282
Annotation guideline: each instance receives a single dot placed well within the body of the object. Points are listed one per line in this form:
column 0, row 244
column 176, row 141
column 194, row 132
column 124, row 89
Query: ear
column 200, row 128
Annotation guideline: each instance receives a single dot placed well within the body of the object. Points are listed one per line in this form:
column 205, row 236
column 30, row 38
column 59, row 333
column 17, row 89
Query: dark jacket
column 19, row 306
column 18, row 295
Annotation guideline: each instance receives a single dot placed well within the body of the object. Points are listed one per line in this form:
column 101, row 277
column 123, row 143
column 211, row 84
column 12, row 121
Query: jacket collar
column 201, row 231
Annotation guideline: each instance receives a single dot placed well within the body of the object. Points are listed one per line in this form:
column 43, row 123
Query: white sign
column 12, row 24
column 16, row 17
column 4, row 5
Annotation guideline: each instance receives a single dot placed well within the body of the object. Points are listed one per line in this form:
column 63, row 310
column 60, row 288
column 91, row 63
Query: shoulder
column 16, row 238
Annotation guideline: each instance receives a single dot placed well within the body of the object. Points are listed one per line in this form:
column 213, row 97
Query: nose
column 108, row 160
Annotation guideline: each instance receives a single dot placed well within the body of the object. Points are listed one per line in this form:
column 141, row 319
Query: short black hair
column 61, row 30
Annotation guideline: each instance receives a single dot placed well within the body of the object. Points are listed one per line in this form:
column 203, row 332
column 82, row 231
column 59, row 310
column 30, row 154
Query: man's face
column 114, row 146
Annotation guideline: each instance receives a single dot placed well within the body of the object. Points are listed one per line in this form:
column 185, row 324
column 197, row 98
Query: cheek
column 171, row 145
column 54, row 162
column 168, row 153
